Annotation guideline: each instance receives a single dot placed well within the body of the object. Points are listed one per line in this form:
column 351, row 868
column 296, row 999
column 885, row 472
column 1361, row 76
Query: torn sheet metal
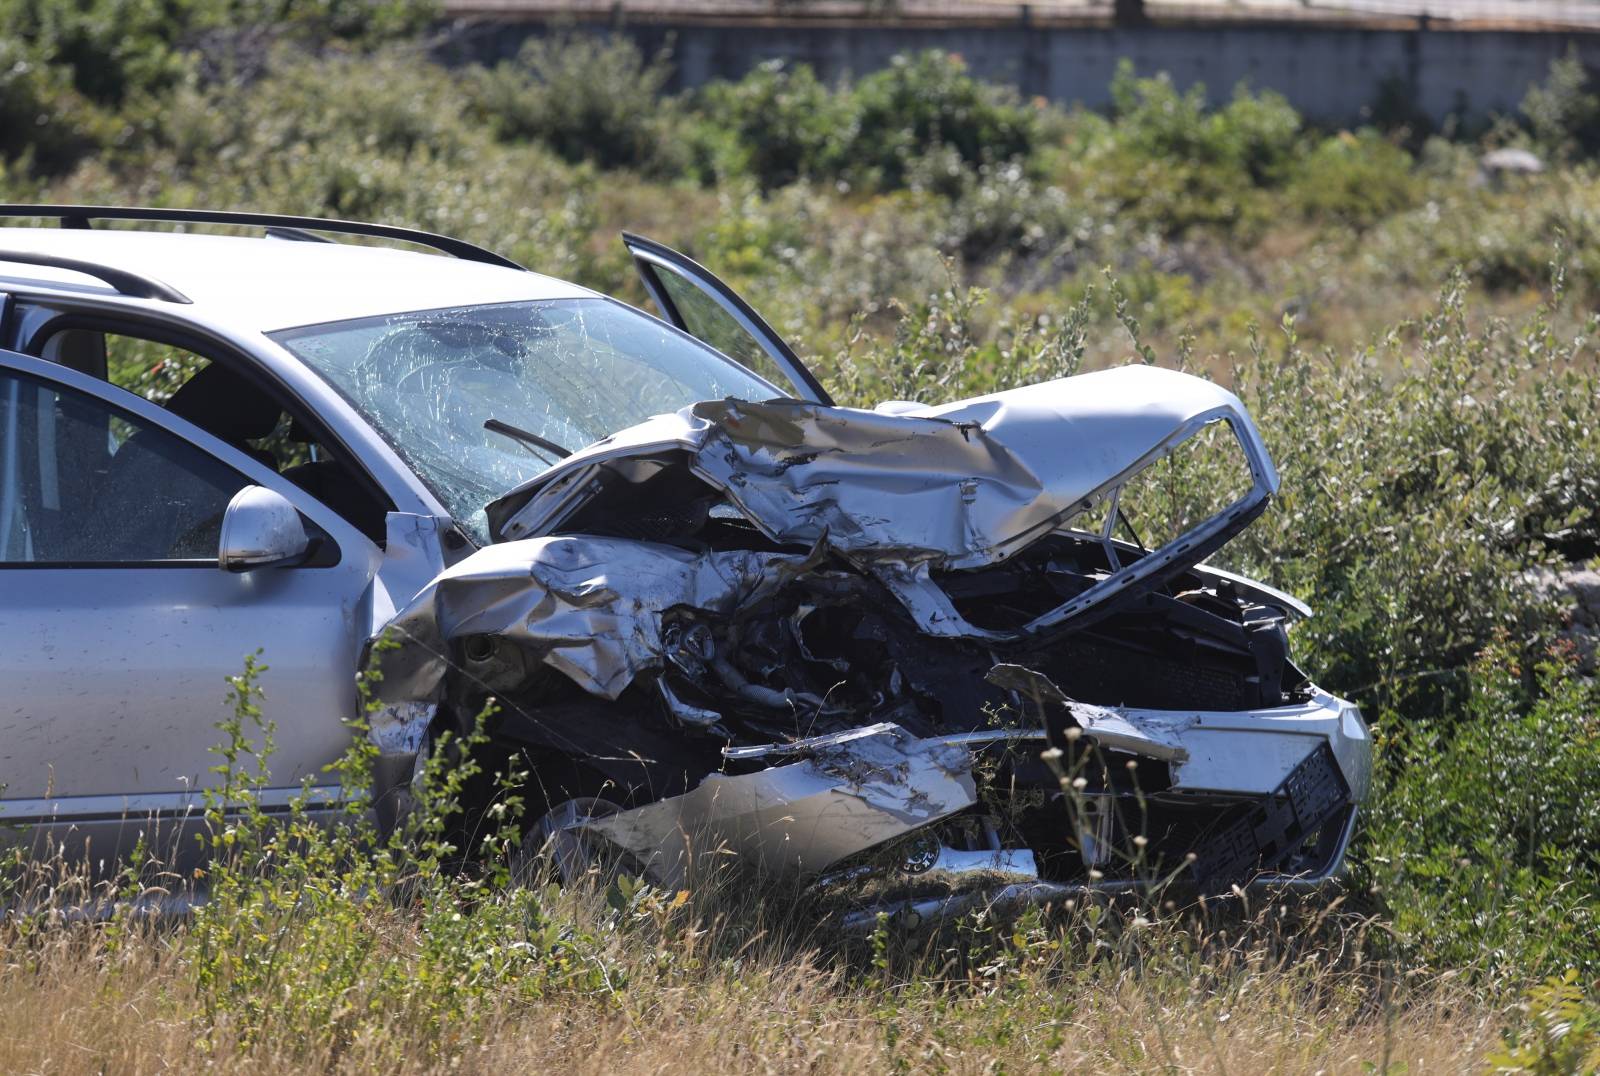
column 799, row 819
column 1112, row 729
column 400, row 728
column 961, row 485
column 589, row 607
column 1251, row 751
column 811, row 743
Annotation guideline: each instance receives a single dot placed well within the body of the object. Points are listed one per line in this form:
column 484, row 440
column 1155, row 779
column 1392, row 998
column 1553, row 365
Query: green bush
column 1358, row 179
column 928, row 99
column 997, row 211
column 63, row 64
column 1253, row 136
column 586, row 97
column 118, row 50
column 1559, row 1033
column 777, row 124
column 1563, row 112
column 110, row 49
column 390, row 103
column 45, row 125
column 1172, row 161
column 295, row 943
column 1482, row 838
column 1502, row 239
column 1422, row 482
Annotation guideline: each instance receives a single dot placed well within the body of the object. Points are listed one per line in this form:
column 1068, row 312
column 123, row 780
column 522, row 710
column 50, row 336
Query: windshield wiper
column 532, row 440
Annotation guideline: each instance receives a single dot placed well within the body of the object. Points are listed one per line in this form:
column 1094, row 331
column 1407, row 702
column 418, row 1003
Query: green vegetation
column 1413, row 337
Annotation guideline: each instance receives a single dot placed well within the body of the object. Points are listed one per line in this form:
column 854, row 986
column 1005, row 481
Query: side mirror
column 261, row 529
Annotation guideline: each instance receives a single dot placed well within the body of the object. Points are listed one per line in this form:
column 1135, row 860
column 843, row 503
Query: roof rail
column 122, row 281
column 82, row 216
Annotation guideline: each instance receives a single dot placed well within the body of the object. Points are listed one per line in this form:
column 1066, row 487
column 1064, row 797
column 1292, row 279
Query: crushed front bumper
column 1273, row 788
column 974, row 889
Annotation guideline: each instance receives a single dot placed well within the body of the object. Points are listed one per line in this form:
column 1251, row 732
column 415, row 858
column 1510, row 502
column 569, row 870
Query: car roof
column 266, row 284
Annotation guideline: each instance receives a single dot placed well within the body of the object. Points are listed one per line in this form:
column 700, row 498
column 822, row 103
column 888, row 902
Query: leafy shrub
column 950, row 345
column 587, row 98
column 44, row 123
column 1560, row 1033
column 1173, row 161
column 1253, row 135
column 1564, row 111
column 390, row 103
column 62, row 65
column 117, row 50
column 997, row 210
column 1501, row 239
column 1357, row 179
column 777, row 124
column 1483, row 841
column 780, row 124
column 928, row 99
column 110, row 49
column 1417, row 495
column 295, row 941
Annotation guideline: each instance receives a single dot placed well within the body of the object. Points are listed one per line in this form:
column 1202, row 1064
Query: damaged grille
column 1270, row 834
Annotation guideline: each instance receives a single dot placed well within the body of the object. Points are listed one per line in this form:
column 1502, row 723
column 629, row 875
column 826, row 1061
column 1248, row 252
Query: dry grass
column 1170, row 996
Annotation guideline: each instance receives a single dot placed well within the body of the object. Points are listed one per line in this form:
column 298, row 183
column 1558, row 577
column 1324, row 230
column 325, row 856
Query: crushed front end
column 906, row 657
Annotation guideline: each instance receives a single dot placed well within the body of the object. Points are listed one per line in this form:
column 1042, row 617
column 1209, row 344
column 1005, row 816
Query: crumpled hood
column 958, row 486
column 953, row 486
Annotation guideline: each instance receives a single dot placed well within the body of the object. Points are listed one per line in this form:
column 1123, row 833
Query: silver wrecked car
column 921, row 646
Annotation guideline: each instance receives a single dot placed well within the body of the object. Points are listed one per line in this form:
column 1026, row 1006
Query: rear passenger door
column 118, row 629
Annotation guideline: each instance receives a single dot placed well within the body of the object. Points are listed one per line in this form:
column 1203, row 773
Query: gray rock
column 1511, row 160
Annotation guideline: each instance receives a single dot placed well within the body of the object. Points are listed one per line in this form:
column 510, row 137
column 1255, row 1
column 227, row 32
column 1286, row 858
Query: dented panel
column 588, row 607
column 901, row 647
column 798, row 819
column 960, row 485
column 954, row 487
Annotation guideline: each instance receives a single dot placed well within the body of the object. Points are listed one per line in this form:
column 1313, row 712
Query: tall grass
column 333, row 950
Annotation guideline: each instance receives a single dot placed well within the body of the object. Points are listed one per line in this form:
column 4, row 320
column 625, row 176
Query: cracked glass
column 479, row 399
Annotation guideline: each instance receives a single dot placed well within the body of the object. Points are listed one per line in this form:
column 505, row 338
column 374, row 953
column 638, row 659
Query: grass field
column 1414, row 335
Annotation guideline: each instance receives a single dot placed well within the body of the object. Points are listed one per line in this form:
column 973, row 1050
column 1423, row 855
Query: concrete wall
column 1330, row 75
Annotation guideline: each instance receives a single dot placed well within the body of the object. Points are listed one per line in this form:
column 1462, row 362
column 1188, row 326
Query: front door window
column 694, row 300
column 82, row 482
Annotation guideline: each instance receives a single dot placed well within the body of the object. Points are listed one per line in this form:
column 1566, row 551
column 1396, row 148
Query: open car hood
column 949, row 487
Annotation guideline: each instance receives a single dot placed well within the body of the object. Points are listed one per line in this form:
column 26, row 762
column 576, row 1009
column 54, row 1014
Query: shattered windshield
column 478, row 399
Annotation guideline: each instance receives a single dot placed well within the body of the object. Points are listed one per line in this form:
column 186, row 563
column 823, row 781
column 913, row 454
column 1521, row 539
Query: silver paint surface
column 798, row 819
